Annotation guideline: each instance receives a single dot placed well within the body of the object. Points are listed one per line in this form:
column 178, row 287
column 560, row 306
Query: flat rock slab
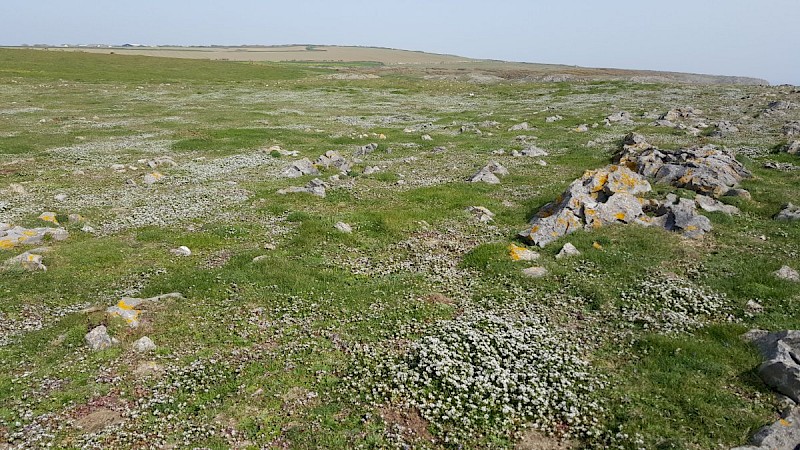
column 14, row 236
column 126, row 308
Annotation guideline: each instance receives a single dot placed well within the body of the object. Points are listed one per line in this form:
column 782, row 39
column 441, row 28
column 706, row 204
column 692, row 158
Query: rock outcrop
column 299, row 168
column 129, row 309
column 11, row 237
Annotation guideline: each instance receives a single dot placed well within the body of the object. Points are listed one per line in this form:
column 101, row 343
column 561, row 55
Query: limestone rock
column 706, row 170
column 582, row 128
column 781, row 351
column 533, row 150
column 520, row 127
column 343, row 227
column 481, row 213
column 518, row 253
column 534, row 272
column 60, row 197
column 488, row 174
column 314, row 187
column 783, row 434
column 635, row 142
column 686, row 112
column 621, row 117
column 369, row 170
column 567, row 250
column 787, row 273
column 98, row 338
column 126, row 308
column 299, row 168
column 793, row 148
column 31, row 261
column 739, row 192
column 598, row 198
column 181, row 251
column 725, row 128
column 365, row 150
column 681, row 215
column 788, row 212
column 791, row 128
column 334, row 159
column 427, row 137
column 48, row 216
column 153, row 177
column 711, row 205
column 144, row 344
column 14, row 236
column 552, row 119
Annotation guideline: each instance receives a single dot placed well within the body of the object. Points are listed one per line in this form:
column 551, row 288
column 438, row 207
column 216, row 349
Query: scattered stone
column 118, row 167
column 518, row 253
column 568, row 250
column 334, row 159
column 427, row 137
column 621, row 117
column 343, row 227
column 98, row 338
column 681, row 113
column 60, row 197
column 299, row 168
column 314, row 187
column 481, row 213
column 31, row 261
column 552, row 119
column 76, row 218
column 144, row 344
column 753, row 307
column 740, row 193
column 153, row 177
column 534, row 272
column 706, row 170
column 48, row 217
column 520, row 127
column 724, row 128
column 88, row 229
column 181, row 251
column 780, row 369
column 439, row 149
column 371, row 169
column 160, row 161
column 260, row 258
column 789, row 212
column 488, row 174
column 366, row 150
column 633, row 142
column 281, row 151
column 777, row 106
column 419, row 127
column 126, row 307
column 582, row 128
column 793, row 148
column 787, row 273
column 502, row 151
column 791, row 128
column 532, row 150
column 711, row 205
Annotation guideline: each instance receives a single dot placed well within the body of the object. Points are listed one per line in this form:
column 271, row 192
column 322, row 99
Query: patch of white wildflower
column 485, row 374
column 672, row 305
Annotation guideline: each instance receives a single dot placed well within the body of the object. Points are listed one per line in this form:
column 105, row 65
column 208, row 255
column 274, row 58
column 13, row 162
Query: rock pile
column 707, row 170
column 365, row 150
column 334, row 159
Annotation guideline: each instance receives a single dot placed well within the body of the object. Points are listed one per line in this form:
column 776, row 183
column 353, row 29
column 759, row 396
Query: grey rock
column 60, row 197
column 793, row 148
column 725, row 128
column 567, row 250
column 791, row 128
column 555, row 118
column 14, row 236
column 181, row 251
column 686, row 112
column 621, row 117
column 711, row 205
column 582, row 128
column 781, row 352
column 98, row 339
column 739, row 192
column 144, row 344
column 30, row 260
column 635, row 142
column 783, row 434
column 787, row 273
column 371, row 169
column 789, row 212
column 663, row 123
column 153, row 177
column 343, row 227
column 365, row 150
column 299, row 168
column 426, row 137
column 533, row 150
column 481, row 213
column 681, row 215
column 778, row 106
column 520, row 127
column 126, row 308
column 314, row 187
column 534, row 272
column 488, row 174
column 707, row 170
column 334, row 159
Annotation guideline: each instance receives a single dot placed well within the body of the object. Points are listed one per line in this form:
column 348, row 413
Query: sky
column 757, row 38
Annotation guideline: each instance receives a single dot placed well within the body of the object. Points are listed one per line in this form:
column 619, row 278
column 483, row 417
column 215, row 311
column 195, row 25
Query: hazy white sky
column 759, row 38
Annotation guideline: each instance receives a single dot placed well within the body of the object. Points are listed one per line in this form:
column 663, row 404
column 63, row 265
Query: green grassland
column 262, row 354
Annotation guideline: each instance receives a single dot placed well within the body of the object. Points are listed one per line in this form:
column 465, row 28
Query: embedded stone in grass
column 621, row 117
column 518, row 253
column 369, row 170
column 153, row 177
column 365, row 150
column 126, row 307
column 551, row 119
column 314, row 187
column 14, row 236
column 788, row 212
column 520, row 127
column 534, row 272
column 780, row 369
column 181, row 251
column 427, row 137
column 711, row 205
column 481, row 213
column 334, row 159
column 784, row 434
column 60, row 197
column 98, row 338
column 787, row 273
column 48, row 216
column 581, row 128
column 567, row 250
column 488, row 173
column 144, row 344
column 343, row 227
column 30, row 261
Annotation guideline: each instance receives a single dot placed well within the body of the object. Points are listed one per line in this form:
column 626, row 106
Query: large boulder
column 783, row 434
column 781, row 352
column 707, row 170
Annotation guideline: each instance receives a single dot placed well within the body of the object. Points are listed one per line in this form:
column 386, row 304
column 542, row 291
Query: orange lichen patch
column 534, row 229
column 122, row 305
column 597, row 245
column 691, row 228
column 47, row 217
column 785, row 422
column 7, row 244
column 597, row 224
column 32, row 257
column 620, row 216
